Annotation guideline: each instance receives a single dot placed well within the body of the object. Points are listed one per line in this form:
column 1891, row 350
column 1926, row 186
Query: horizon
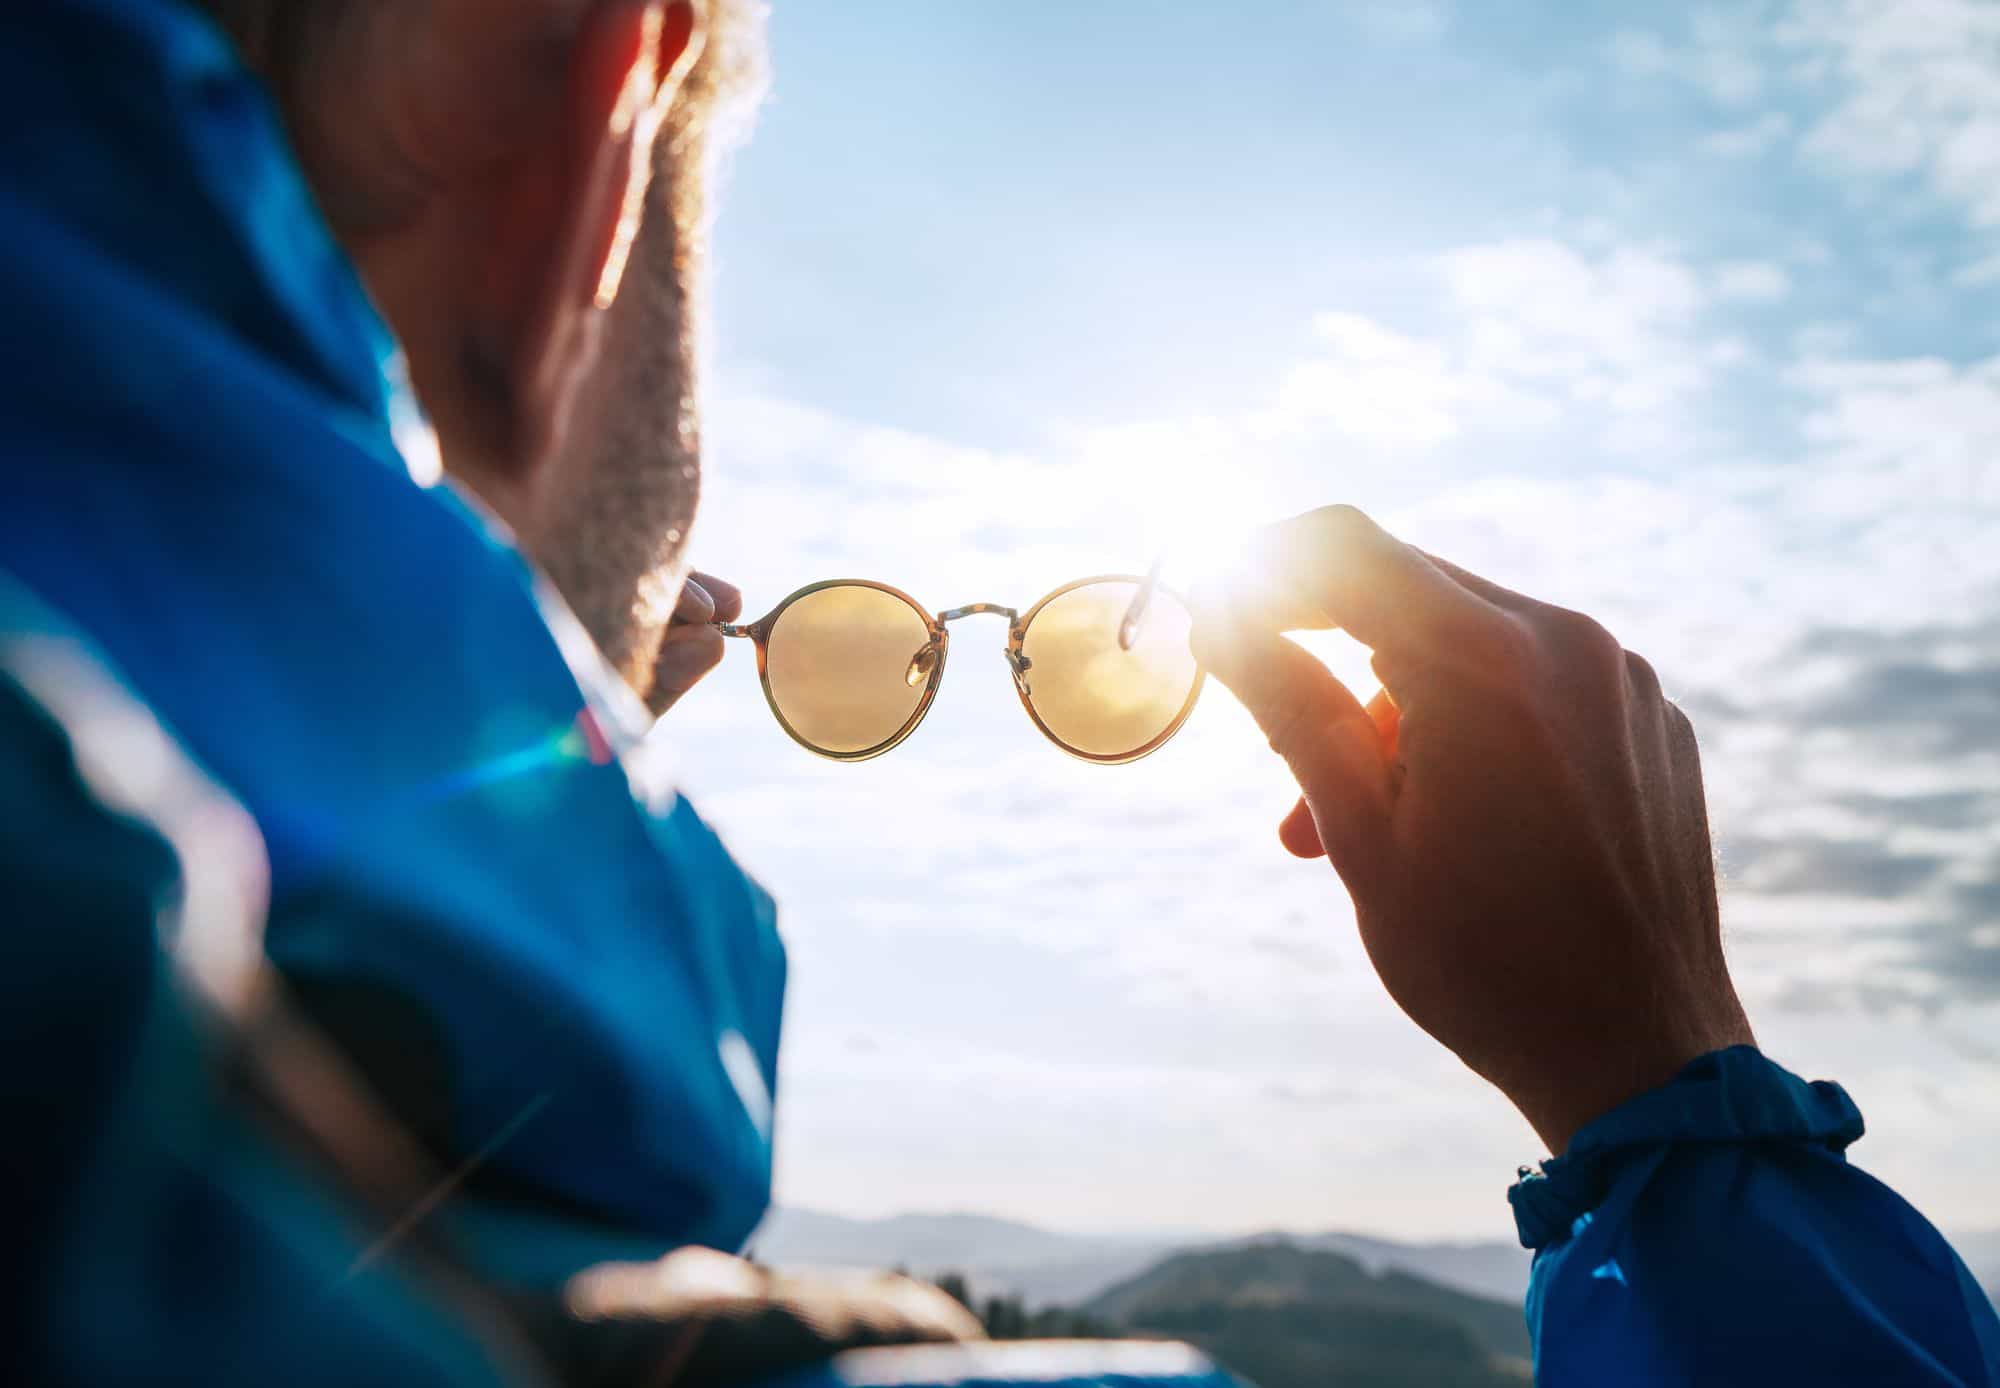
column 1689, row 318
column 1171, row 1234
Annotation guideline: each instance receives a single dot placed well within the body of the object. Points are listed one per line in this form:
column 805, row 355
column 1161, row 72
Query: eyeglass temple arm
column 1128, row 629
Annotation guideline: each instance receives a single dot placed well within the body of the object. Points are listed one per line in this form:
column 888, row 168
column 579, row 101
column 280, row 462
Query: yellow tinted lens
column 848, row 666
column 1095, row 697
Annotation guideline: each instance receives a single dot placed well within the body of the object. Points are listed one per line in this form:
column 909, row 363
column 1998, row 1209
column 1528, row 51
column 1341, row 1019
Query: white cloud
column 1540, row 309
column 1752, row 281
column 1748, row 140
column 1612, row 335
column 1912, row 448
column 1545, row 340
column 1376, row 386
column 1983, row 271
column 1719, row 57
column 1727, row 63
column 1638, row 53
column 1402, row 21
column 1918, row 91
column 1822, row 339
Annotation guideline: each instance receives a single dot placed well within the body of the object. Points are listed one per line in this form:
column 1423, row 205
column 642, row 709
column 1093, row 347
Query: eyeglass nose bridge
column 974, row 609
column 1017, row 660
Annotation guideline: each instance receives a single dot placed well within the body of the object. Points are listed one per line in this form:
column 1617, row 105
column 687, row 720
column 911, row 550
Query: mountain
column 1288, row 1316
column 1048, row 1268
column 1485, row 1268
column 1285, row 1310
column 1044, row 1267
column 1000, row 1256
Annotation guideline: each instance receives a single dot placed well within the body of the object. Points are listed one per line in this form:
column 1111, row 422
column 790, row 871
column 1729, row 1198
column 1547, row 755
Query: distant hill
column 794, row 1236
column 1487, row 1268
column 1044, row 1267
column 1293, row 1317
column 997, row 1256
column 1048, row 1268
column 1286, row 1311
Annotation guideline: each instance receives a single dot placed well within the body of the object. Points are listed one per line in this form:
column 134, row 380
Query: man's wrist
column 1733, row 1095
column 1595, row 1080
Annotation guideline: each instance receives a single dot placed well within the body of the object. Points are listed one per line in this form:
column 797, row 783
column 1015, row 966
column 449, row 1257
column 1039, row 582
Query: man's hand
column 698, row 1318
column 691, row 647
column 1520, row 820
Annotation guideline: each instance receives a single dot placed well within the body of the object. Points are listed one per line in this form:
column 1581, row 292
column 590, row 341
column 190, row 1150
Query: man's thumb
column 1321, row 730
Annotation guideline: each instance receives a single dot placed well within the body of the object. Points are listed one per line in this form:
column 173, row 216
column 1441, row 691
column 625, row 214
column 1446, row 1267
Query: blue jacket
column 155, row 1233
column 156, row 1230
column 1713, row 1231
column 200, row 472
column 196, row 402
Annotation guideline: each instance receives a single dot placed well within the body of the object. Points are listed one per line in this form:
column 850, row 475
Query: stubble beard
column 616, row 531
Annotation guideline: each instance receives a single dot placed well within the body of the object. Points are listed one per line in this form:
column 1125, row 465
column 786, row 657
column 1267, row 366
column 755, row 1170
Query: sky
column 1681, row 315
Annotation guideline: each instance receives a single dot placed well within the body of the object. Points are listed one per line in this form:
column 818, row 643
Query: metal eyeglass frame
column 759, row 632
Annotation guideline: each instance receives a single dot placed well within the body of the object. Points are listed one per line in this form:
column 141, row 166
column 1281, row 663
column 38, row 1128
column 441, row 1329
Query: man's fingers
column 1298, row 833
column 1388, row 723
column 689, row 647
column 1321, row 730
column 1336, row 567
column 1504, row 598
column 695, row 607
column 706, row 598
column 1389, row 729
column 686, row 654
column 725, row 598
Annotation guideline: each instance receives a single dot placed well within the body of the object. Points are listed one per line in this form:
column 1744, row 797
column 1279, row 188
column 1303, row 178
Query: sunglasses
column 850, row 666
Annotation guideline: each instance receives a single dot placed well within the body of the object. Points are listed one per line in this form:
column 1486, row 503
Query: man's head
column 521, row 183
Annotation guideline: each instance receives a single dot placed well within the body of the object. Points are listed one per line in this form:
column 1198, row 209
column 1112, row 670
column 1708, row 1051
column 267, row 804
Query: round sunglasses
column 850, row 666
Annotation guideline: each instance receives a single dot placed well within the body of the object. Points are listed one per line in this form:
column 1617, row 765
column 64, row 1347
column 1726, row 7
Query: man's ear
column 562, row 212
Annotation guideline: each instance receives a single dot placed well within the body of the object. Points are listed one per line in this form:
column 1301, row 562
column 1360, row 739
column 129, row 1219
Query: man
column 529, row 963
column 572, row 998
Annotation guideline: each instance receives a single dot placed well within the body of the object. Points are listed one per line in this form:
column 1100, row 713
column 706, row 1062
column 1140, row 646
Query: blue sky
column 1682, row 315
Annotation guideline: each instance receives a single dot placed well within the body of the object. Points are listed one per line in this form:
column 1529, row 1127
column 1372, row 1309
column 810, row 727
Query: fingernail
column 695, row 601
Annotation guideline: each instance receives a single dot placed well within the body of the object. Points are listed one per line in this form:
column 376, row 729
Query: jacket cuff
column 1728, row 1096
